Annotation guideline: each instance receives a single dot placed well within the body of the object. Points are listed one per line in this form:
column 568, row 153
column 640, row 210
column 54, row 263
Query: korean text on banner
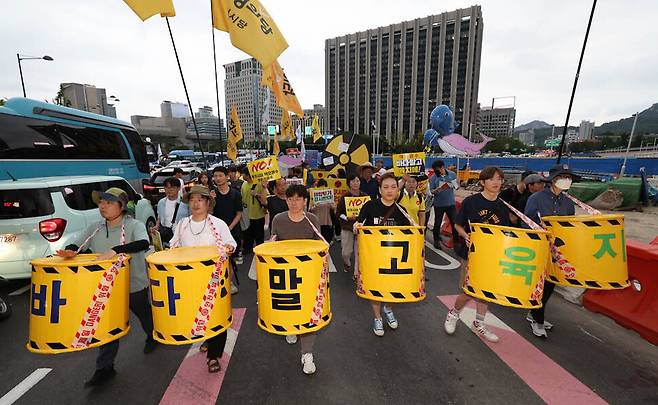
column 264, row 169
column 322, row 196
column 353, row 205
column 339, row 186
column 408, row 163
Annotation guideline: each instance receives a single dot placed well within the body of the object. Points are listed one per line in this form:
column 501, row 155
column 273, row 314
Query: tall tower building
column 256, row 104
column 394, row 76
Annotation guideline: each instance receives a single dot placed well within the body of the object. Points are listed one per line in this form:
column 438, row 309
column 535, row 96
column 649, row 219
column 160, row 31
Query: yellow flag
column 234, row 129
column 148, row 8
column 286, row 126
column 232, row 149
column 251, row 28
column 275, row 148
column 315, row 126
column 275, row 79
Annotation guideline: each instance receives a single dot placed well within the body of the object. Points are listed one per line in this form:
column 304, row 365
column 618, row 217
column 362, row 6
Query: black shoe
column 437, row 244
column 150, row 345
column 100, row 377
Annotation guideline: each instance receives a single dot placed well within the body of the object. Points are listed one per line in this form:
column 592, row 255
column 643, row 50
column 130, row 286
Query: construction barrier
column 64, row 292
column 288, row 274
column 595, row 246
column 391, row 263
column 635, row 307
column 179, row 279
column 506, row 265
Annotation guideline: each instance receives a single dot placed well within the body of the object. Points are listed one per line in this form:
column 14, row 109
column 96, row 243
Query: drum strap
column 316, row 315
column 92, row 316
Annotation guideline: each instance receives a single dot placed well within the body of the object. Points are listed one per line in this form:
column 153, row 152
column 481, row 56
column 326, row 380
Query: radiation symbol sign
column 348, row 154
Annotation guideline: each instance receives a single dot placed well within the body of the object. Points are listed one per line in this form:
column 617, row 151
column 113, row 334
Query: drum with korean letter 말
column 64, row 290
column 179, row 280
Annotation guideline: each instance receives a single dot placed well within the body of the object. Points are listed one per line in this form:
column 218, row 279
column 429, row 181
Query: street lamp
column 20, row 69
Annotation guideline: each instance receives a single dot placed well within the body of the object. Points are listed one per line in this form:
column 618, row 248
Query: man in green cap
column 118, row 233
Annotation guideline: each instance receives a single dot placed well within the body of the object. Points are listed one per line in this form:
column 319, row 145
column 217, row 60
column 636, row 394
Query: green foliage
column 506, row 144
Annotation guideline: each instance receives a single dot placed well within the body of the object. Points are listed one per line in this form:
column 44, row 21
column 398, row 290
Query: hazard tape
column 510, row 233
column 500, row 298
column 181, row 338
column 602, row 285
column 413, row 295
column 293, row 328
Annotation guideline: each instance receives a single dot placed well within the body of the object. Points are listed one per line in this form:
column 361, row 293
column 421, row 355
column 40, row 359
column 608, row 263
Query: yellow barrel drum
column 289, row 274
column 391, row 263
column 507, row 265
column 595, row 245
column 62, row 291
column 178, row 281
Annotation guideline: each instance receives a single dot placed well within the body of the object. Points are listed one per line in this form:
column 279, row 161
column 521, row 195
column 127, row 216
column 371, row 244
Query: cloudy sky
column 530, row 50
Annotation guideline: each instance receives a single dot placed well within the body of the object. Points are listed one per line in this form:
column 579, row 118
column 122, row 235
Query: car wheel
column 149, row 224
column 5, row 307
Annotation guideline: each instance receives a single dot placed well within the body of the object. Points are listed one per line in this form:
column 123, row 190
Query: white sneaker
column 539, row 330
column 451, row 322
column 547, row 325
column 390, row 318
column 291, row 339
column 481, row 330
column 239, row 259
column 234, row 289
column 307, row 363
column 378, row 327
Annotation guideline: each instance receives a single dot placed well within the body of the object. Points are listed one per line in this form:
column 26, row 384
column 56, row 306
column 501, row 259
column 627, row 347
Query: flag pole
column 189, row 104
column 575, row 83
column 214, row 56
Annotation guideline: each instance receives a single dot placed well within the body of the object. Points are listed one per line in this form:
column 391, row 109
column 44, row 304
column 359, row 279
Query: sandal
column 346, row 268
column 204, row 347
column 213, row 365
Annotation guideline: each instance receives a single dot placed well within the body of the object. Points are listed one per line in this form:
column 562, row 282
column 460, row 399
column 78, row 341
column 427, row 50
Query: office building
column 256, row 104
column 172, row 109
column 586, row 131
column 307, row 119
column 496, row 122
column 87, row 97
column 394, row 76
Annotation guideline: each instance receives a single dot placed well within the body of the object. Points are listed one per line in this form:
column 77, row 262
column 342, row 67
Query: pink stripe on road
column 193, row 384
column 551, row 382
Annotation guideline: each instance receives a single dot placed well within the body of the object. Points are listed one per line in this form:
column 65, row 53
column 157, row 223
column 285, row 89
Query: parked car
column 38, row 216
column 5, row 306
column 154, row 187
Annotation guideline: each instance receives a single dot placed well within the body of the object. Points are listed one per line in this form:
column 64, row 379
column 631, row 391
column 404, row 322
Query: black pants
column 140, row 305
column 451, row 212
column 236, row 232
column 327, row 232
column 216, row 346
column 255, row 234
column 538, row 313
column 336, row 222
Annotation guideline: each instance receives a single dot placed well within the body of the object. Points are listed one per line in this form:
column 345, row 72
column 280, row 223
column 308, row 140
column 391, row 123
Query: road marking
column 193, row 384
column 551, row 382
column 24, row 386
column 452, row 262
column 20, row 290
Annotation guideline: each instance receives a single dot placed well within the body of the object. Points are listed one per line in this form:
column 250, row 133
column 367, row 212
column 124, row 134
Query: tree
column 2, row 101
column 60, row 99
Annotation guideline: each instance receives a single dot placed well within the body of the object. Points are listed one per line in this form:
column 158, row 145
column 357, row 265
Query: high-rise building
column 255, row 104
column 172, row 109
column 394, row 76
column 307, row 119
column 586, row 131
column 87, row 97
column 204, row 112
column 209, row 126
column 496, row 122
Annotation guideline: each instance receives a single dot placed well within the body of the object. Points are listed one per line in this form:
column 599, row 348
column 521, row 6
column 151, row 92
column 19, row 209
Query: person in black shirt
column 277, row 203
column 368, row 184
column 517, row 195
column 383, row 212
column 486, row 208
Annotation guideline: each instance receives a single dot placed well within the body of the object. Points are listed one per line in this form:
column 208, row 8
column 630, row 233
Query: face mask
column 563, row 184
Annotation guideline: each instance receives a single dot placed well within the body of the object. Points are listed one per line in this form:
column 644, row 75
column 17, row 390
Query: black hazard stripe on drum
column 502, row 298
column 291, row 328
column 588, row 224
column 395, row 294
column 291, row 259
column 512, row 233
column 64, row 346
column 181, row 338
column 590, row 283
column 182, row 267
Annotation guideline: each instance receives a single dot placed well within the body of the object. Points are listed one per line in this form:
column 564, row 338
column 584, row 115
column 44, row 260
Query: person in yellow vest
column 413, row 201
column 254, row 203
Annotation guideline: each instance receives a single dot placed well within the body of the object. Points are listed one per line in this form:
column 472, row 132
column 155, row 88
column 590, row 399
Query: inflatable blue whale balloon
column 442, row 120
column 442, row 134
column 431, row 138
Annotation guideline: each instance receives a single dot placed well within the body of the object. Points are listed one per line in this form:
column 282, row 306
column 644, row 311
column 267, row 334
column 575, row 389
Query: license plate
column 161, row 190
column 8, row 238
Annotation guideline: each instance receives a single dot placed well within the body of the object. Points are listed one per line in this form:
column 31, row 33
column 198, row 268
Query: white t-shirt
column 170, row 207
column 192, row 233
column 181, row 189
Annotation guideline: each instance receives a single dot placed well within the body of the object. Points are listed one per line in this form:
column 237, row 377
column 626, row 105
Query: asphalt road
column 416, row 364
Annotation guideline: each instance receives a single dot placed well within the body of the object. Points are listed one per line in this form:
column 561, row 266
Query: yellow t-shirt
column 413, row 204
column 250, row 203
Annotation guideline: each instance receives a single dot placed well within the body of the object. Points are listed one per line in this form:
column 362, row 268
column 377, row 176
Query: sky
column 530, row 51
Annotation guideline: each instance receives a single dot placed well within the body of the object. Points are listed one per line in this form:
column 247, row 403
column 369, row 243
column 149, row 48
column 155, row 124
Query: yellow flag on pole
column 234, row 129
column 148, row 8
column 286, row 126
column 275, row 148
column 251, row 28
column 232, row 149
column 275, row 79
column 315, row 127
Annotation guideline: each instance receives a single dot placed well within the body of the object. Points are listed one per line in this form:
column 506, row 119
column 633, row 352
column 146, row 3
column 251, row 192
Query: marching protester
column 254, row 203
column 517, row 195
column 295, row 223
column 383, row 211
column 234, row 178
column 348, row 241
column 412, row 201
column 442, row 186
column 203, row 229
column 324, row 212
column 236, row 184
column 178, row 173
column 369, row 185
column 118, row 233
column 228, row 208
column 550, row 201
column 276, row 203
column 485, row 208
column 170, row 210
column 204, row 180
